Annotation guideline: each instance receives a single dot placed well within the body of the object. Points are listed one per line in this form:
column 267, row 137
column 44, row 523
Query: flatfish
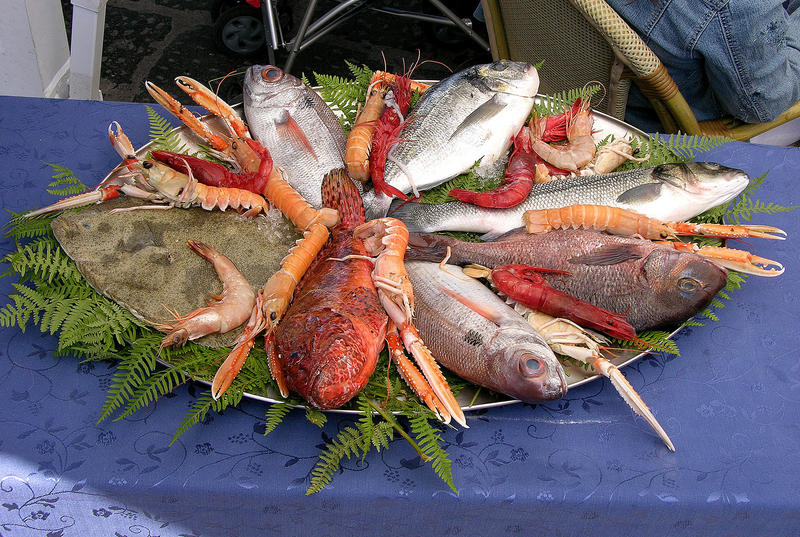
column 140, row 260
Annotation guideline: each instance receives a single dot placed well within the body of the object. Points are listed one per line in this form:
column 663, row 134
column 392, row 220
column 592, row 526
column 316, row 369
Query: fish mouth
column 716, row 183
column 343, row 369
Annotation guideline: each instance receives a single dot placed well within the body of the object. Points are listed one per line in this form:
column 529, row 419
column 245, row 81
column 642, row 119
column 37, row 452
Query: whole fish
column 293, row 122
column 329, row 340
column 651, row 285
column 669, row 192
column 468, row 117
column 474, row 334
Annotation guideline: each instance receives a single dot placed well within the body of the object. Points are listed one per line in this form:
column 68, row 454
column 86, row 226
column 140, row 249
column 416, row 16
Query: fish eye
column 147, row 165
column 531, row 366
column 688, row 285
column 272, row 74
column 499, row 66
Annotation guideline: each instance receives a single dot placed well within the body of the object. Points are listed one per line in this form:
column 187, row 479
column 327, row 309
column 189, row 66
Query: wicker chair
column 586, row 40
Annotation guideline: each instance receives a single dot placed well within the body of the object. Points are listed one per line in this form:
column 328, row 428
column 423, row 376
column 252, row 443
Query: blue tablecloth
column 584, row 465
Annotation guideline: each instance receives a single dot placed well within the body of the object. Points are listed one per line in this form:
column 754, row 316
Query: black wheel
column 240, row 30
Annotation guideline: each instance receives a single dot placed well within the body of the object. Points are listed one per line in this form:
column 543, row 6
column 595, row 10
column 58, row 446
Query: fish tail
column 429, row 247
column 339, row 192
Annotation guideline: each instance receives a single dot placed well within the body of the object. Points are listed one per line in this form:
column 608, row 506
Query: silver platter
column 470, row 398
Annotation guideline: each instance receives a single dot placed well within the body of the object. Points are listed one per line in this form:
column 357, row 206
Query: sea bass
column 473, row 333
column 651, row 285
column 469, row 116
column 669, row 192
column 293, row 122
column 329, row 340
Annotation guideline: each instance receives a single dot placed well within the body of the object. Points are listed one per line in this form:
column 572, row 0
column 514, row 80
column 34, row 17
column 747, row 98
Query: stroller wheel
column 240, row 30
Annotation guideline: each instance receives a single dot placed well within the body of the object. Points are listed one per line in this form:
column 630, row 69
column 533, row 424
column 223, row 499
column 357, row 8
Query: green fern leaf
column 346, row 444
column 559, row 102
column 275, row 414
column 430, row 441
column 64, row 182
column 315, row 417
column 162, row 135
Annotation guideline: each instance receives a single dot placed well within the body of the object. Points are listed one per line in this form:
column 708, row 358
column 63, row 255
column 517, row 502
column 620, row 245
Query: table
column 584, row 465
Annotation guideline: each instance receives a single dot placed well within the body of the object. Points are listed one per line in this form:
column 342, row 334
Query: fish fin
column 498, row 236
column 340, row 192
column 640, row 194
column 608, row 255
column 484, row 112
column 483, row 310
column 288, row 129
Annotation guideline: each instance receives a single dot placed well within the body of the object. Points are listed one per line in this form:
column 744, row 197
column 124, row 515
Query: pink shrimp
column 232, row 308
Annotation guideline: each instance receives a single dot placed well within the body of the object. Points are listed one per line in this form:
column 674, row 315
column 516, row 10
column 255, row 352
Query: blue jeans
column 728, row 57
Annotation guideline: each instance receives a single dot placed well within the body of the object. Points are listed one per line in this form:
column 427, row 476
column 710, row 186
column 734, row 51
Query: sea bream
column 652, row 285
column 474, row 334
column 468, row 117
column 292, row 121
column 669, row 192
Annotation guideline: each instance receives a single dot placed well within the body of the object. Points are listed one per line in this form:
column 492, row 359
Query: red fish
column 329, row 340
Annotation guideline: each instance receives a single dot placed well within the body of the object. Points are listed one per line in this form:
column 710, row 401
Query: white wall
column 34, row 54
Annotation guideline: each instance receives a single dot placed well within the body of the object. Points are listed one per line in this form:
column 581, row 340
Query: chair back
column 582, row 41
column 573, row 50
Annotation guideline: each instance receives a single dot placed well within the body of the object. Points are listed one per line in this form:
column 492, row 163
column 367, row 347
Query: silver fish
column 293, row 122
column 469, row 116
column 474, row 334
column 669, row 192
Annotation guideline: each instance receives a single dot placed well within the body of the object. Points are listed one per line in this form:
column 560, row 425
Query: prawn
column 232, row 308
column 580, row 147
column 359, row 141
column 386, row 239
column 624, row 222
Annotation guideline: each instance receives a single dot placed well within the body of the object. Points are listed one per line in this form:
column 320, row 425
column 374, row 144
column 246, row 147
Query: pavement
column 158, row 40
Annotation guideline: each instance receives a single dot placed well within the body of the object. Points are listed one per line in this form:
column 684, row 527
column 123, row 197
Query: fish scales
column 292, row 121
column 653, row 286
column 468, row 117
column 669, row 192
column 505, row 354
column 329, row 340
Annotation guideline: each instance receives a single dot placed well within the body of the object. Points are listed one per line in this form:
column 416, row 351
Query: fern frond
column 362, row 75
column 346, row 444
column 342, row 94
column 162, row 135
column 315, row 417
column 469, row 181
column 20, row 227
column 431, row 444
column 202, row 406
column 559, row 102
column 746, row 208
column 64, row 183
column 659, row 341
column 45, row 259
column 275, row 414
column 138, row 362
